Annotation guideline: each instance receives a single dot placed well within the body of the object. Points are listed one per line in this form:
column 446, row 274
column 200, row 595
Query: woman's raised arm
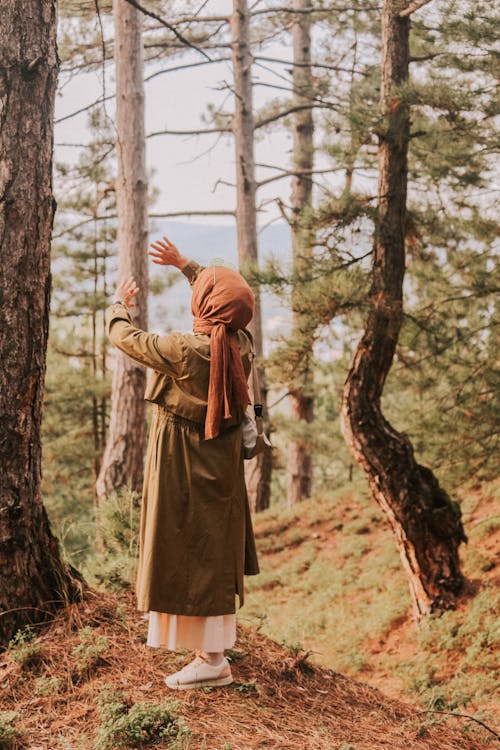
column 165, row 253
column 162, row 353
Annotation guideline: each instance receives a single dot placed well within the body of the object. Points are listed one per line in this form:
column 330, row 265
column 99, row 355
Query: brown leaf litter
column 279, row 700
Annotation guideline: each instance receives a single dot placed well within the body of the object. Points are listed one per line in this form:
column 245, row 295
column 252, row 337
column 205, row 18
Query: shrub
column 89, row 652
column 9, row 735
column 115, row 566
column 124, row 725
column 23, row 649
column 48, row 685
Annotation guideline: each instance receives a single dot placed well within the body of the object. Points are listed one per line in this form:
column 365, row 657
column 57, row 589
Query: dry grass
column 279, row 700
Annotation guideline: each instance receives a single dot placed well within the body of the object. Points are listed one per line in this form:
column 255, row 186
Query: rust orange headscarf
column 222, row 303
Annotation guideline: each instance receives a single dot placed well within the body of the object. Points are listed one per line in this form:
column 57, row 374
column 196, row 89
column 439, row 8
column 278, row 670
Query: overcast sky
column 187, row 169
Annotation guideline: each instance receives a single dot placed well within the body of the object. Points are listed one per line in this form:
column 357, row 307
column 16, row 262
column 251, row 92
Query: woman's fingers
column 127, row 289
column 164, row 253
column 158, row 256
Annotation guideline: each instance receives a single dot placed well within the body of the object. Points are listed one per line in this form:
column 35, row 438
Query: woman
column 196, row 538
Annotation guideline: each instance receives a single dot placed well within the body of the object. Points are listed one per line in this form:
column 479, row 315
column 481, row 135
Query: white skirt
column 211, row 634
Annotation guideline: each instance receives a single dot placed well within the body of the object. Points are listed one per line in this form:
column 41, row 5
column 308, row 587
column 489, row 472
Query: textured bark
column 33, row 579
column 122, row 463
column 258, row 470
column 426, row 524
column 299, row 464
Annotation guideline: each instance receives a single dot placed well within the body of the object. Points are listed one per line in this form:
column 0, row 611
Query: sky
column 189, row 172
column 185, row 169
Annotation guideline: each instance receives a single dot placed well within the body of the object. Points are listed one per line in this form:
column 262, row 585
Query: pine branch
column 315, row 11
column 192, row 213
column 412, row 8
column 207, row 131
column 299, row 173
column 108, row 97
column 168, row 26
column 95, row 103
column 290, row 90
column 172, row 214
column 201, row 19
column 293, row 64
column 174, row 45
column 220, row 181
column 176, row 68
column 284, row 113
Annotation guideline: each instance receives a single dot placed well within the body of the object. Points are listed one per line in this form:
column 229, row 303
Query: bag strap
column 257, row 399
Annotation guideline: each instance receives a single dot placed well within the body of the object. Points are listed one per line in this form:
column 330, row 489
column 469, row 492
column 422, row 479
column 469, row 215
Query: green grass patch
column 332, row 581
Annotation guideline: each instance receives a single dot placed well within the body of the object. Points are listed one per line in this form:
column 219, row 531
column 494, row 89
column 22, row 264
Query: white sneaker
column 200, row 674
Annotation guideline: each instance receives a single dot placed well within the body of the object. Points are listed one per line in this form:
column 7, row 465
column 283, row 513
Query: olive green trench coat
column 196, row 537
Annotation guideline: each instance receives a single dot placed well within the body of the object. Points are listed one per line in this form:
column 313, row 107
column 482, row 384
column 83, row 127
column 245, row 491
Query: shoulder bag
column 255, row 440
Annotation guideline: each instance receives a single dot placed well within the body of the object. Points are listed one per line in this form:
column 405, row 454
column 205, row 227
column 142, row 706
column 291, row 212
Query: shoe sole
column 219, row 682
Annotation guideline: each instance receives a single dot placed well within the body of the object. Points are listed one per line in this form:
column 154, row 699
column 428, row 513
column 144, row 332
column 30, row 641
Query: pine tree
column 34, row 579
column 426, row 524
column 299, row 463
column 122, row 463
column 257, row 471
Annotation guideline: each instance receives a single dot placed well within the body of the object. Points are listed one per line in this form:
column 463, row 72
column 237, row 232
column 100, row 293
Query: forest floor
column 88, row 682
column 330, row 583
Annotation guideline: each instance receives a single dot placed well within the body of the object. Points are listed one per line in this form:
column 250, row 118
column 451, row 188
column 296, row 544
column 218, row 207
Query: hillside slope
column 332, row 582
column 56, row 682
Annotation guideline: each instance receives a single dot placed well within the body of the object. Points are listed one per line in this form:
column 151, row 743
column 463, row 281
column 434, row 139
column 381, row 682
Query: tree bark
column 122, row 463
column 33, row 578
column 257, row 470
column 299, row 464
column 426, row 524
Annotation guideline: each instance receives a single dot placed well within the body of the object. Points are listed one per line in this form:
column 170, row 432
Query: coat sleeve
column 162, row 353
column 192, row 270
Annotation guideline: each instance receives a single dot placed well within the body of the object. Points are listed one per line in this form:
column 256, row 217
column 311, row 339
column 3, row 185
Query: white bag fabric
column 255, row 439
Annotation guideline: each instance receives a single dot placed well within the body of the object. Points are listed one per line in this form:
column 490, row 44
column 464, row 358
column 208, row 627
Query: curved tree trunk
column 299, row 464
column 426, row 524
column 258, row 470
column 33, row 578
column 122, row 463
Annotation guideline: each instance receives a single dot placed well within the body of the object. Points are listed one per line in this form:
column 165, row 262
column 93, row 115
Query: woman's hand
column 165, row 253
column 126, row 291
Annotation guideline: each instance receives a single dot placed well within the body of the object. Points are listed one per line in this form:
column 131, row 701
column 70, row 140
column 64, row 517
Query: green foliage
column 114, row 567
column 24, row 649
column 247, row 688
column 69, row 450
column 125, row 725
column 89, row 653
column 10, row 736
column 48, row 685
column 77, row 387
column 443, row 390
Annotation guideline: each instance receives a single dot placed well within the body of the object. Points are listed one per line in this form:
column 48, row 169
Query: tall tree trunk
column 258, row 470
column 426, row 524
column 299, row 465
column 33, row 578
column 122, row 463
